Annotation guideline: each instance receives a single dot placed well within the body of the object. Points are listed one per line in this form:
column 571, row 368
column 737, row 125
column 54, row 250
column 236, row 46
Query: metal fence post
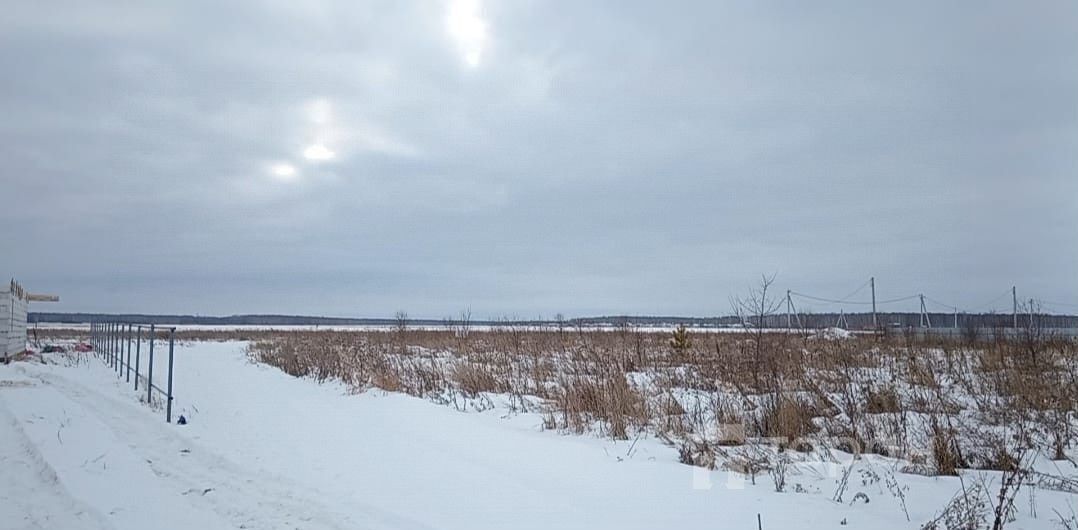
column 138, row 350
column 127, row 365
column 171, row 346
column 119, row 350
column 149, row 369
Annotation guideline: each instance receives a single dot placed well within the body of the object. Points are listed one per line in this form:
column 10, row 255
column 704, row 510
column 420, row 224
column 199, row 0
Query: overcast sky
column 524, row 158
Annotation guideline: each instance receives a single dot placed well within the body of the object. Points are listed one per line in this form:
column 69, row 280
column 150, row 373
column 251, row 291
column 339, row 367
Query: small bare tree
column 462, row 328
column 400, row 326
column 756, row 309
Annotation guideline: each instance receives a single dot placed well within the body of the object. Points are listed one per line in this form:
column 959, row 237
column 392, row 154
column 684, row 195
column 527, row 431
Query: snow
column 265, row 450
column 831, row 334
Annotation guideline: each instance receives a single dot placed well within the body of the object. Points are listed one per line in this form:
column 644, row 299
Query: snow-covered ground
column 265, row 450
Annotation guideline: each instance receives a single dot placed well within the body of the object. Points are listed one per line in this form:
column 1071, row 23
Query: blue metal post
column 119, row 350
column 128, row 363
column 138, row 350
column 171, row 346
column 149, row 370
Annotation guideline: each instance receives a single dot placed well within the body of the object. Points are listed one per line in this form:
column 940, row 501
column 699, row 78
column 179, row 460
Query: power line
column 859, row 289
column 828, row 300
column 941, row 304
column 902, row 299
column 1064, row 304
column 974, row 309
column 855, row 302
column 993, row 302
column 843, row 300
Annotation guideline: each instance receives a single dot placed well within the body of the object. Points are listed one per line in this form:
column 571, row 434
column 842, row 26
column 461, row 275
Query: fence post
column 128, row 363
column 117, row 349
column 171, row 345
column 149, row 369
column 138, row 350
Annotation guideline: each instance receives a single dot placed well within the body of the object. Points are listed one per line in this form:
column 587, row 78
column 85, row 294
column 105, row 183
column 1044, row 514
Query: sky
column 525, row 158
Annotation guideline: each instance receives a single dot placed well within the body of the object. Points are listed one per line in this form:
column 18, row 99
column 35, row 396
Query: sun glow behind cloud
column 283, row 171
column 318, row 153
column 468, row 29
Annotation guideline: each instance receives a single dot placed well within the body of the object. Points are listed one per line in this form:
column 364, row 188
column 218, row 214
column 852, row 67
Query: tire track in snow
column 248, row 499
column 29, row 487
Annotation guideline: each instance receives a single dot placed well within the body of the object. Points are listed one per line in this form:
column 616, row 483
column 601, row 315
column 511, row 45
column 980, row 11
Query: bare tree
column 756, row 309
column 463, row 327
column 401, row 327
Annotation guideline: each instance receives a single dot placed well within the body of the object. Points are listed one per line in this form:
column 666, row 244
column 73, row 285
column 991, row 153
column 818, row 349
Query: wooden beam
column 42, row 298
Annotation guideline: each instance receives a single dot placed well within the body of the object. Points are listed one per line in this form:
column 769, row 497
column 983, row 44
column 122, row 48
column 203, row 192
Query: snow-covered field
column 265, row 450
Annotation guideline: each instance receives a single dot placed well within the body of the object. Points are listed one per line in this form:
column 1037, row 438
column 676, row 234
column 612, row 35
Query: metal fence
column 116, row 342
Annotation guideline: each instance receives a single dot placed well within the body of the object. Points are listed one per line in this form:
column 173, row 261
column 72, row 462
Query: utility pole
column 1030, row 313
column 1014, row 310
column 925, row 321
column 956, row 318
column 789, row 310
column 875, row 323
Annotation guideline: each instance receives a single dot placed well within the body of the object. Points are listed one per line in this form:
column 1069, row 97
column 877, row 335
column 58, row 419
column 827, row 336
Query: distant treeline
column 847, row 320
column 812, row 320
column 233, row 320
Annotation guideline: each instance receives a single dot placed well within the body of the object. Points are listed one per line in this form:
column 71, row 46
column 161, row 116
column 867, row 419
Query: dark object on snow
column 52, row 348
column 182, row 420
column 82, row 347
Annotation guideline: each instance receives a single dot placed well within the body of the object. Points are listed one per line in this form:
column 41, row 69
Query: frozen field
column 266, row 450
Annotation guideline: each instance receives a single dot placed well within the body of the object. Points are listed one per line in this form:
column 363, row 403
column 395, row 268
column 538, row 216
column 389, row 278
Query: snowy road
column 104, row 465
column 264, row 450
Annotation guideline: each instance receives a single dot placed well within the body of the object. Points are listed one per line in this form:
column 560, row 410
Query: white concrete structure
column 14, row 303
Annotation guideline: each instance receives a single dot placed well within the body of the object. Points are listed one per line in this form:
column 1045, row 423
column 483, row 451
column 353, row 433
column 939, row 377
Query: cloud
column 600, row 157
column 318, row 153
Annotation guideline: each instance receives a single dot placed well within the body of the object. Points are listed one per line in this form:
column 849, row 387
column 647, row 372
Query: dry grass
column 944, row 402
column 934, row 399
